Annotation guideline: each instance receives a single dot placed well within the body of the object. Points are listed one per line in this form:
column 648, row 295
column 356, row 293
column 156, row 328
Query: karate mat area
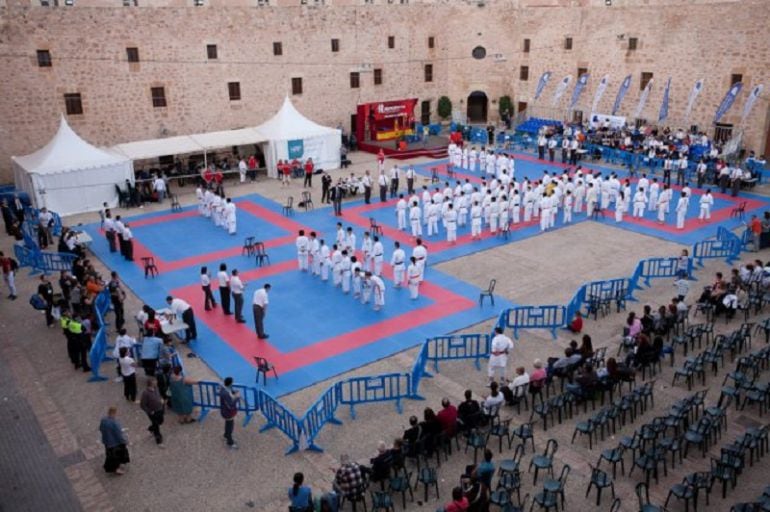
column 316, row 331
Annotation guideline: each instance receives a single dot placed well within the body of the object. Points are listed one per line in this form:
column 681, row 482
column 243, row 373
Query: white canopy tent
column 68, row 175
column 291, row 135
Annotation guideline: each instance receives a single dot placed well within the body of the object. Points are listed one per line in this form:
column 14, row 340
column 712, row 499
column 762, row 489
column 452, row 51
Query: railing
column 418, row 371
column 98, row 352
column 549, row 317
column 378, row 388
column 454, row 347
column 319, row 414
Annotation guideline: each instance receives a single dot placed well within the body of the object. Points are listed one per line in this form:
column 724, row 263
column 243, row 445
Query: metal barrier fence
column 454, row 347
column 378, row 388
column 715, row 248
column 658, row 267
column 280, row 417
column 575, row 304
column 549, row 317
column 319, row 414
column 418, row 371
column 98, row 353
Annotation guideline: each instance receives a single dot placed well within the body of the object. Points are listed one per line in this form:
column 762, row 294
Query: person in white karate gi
column 663, row 204
column 378, row 256
column 500, row 347
column 336, row 265
column 475, row 220
column 200, row 197
column 654, row 194
column 378, row 290
column 529, row 202
column 620, row 206
column 339, row 237
column 401, row 212
column 230, row 218
column 208, row 198
column 580, row 194
column 503, row 216
column 420, row 252
column 433, row 214
column 350, row 241
column 640, row 202
column 303, row 248
column 567, row 212
column 545, row 212
column 413, row 278
column 398, row 262
column 515, row 206
column 493, row 212
column 681, row 210
column 590, row 199
column 315, row 254
column 357, row 276
column 325, row 261
column 462, row 209
column 346, row 266
column 414, row 220
column 450, row 221
column 706, row 202
column 366, row 249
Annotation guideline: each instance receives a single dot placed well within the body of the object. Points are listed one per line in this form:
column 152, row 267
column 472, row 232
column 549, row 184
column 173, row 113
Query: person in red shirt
column 253, row 167
column 284, row 173
column 447, row 417
column 309, row 167
column 756, row 231
column 296, row 167
column 577, row 323
column 459, row 502
column 208, row 176
column 218, row 177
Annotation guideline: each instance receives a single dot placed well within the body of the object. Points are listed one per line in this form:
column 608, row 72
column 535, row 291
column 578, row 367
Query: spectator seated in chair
column 468, row 412
column 349, row 479
column 537, row 378
column 477, row 494
column 431, row 428
column 576, row 325
column 412, row 435
column 643, row 353
column 493, row 401
column 381, row 463
column 561, row 367
column 617, row 372
column 300, row 495
column 586, row 347
column 447, row 417
column 513, row 391
column 585, row 383
column 663, row 321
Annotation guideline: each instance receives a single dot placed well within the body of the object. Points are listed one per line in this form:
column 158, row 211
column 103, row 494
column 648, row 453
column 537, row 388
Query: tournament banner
column 755, row 92
column 696, row 89
column 728, row 101
column 560, row 89
column 600, row 92
column 624, row 86
column 579, row 86
column 643, row 99
column 296, row 148
column 542, row 83
column 664, row 106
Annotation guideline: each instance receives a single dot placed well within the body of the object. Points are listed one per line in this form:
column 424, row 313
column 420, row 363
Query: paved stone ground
column 195, row 472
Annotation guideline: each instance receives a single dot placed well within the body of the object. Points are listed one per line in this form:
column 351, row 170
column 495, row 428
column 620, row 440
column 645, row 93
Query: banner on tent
column 750, row 101
column 624, row 86
column 728, row 101
column 600, row 91
column 296, row 148
column 643, row 98
column 579, row 86
column 560, row 89
column 664, row 105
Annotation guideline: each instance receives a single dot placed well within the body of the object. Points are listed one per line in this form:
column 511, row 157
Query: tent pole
column 205, row 159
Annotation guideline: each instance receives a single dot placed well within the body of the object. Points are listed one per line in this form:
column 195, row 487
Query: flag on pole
column 728, row 101
column 544, row 78
column 579, row 86
column 663, row 114
column 624, row 86
column 560, row 89
column 600, row 92
column 643, row 99
column 753, row 95
column 696, row 89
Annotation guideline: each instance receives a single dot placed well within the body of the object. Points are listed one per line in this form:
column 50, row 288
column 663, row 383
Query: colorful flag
column 755, row 92
column 624, row 86
column 542, row 83
column 664, row 105
column 643, row 99
column 579, row 86
column 600, row 92
column 696, row 89
column 560, row 89
column 728, row 101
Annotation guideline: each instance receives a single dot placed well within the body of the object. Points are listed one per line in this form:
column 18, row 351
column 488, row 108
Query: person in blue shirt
column 114, row 442
column 300, row 495
column 486, row 469
column 150, row 354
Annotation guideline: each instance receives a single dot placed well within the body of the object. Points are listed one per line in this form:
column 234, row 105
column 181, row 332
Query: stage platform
column 434, row 147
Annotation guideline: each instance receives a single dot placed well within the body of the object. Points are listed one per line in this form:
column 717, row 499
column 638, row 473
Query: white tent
column 68, row 175
column 290, row 129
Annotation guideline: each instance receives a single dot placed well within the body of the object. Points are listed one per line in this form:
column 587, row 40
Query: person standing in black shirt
column 326, row 184
column 336, row 194
column 45, row 290
column 117, row 296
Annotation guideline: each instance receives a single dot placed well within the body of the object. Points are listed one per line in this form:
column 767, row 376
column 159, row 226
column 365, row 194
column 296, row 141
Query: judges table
column 169, row 324
column 84, row 239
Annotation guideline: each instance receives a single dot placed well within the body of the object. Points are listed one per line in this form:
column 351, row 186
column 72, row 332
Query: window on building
column 44, row 58
column 479, row 52
column 211, row 51
column 735, row 78
column 428, row 72
column 639, row 122
column 633, row 43
column 277, row 48
column 234, row 90
column 377, row 76
column 431, row 42
column 524, row 73
column 45, row 3
column 296, row 85
column 355, row 80
column 526, row 46
column 129, row 3
column 645, row 79
column 73, row 104
column 158, row 96
column 69, row 3
column 132, row 54
column 335, row 45
column 391, row 42
column 198, row 3
column 263, row 2
column 723, row 132
column 567, row 43
column 581, row 72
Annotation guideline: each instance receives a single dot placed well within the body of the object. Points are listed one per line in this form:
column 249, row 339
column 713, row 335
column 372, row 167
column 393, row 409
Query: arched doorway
column 477, row 107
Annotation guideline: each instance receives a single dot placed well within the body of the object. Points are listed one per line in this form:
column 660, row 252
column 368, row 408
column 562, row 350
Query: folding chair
column 374, row 228
column 263, row 367
column 175, row 206
column 261, row 254
column 307, row 201
column 288, row 208
column 248, row 246
column 489, row 292
column 149, row 266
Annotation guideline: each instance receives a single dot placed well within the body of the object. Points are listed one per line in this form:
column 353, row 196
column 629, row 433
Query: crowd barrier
column 319, row 414
column 418, row 371
column 729, row 249
column 378, row 388
column 656, row 268
column 549, row 317
column 457, row 346
column 280, row 417
column 99, row 345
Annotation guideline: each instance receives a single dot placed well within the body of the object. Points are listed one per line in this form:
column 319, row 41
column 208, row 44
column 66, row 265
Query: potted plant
column 444, row 108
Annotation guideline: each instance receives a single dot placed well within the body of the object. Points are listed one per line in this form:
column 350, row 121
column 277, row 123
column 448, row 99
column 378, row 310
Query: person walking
column 259, row 307
column 115, row 443
column 127, row 367
column 152, row 404
column 228, row 400
column 9, row 267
